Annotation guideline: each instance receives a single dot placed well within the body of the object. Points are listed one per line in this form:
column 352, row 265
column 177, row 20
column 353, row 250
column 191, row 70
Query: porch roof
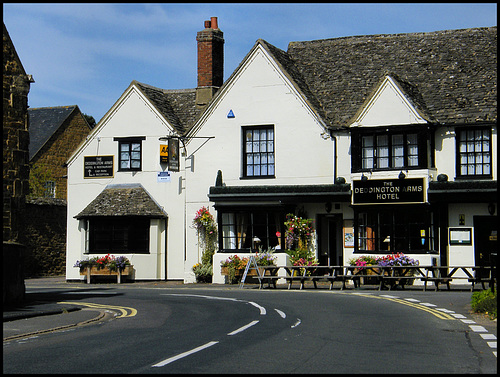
column 283, row 194
column 462, row 191
column 123, row 200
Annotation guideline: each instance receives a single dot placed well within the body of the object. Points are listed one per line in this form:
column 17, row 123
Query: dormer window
column 386, row 150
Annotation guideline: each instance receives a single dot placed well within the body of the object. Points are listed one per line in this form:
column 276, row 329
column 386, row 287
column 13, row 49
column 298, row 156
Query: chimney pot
column 207, row 24
column 213, row 22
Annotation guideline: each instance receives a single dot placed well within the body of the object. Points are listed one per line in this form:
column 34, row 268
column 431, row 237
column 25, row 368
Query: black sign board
column 388, row 191
column 173, row 154
column 98, row 166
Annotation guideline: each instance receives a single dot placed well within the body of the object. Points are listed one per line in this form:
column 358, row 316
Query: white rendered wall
column 131, row 116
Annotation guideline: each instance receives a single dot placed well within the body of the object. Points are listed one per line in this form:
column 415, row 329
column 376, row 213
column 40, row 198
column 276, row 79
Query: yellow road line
column 434, row 312
column 122, row 309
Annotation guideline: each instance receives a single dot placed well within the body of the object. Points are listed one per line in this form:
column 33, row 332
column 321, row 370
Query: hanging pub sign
column 163, row 154
column 98, row 166
column 173, row 154
column 388, row 191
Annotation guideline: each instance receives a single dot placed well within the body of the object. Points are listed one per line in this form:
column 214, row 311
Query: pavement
column 40, row 313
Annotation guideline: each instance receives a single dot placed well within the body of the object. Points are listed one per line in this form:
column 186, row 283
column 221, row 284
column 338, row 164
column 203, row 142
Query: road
column 191, row 330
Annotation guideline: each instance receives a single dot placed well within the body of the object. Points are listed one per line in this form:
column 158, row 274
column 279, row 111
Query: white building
column 377, row 138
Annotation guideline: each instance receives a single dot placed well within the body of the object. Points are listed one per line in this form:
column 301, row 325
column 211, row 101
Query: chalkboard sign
column 98, row 166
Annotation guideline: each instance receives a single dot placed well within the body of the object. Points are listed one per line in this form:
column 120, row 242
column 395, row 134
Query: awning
column 281, row 194
column 462, row 191
column 123, row 200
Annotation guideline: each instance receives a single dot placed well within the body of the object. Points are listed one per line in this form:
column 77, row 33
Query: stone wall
column 16, row 86
column 45, row 237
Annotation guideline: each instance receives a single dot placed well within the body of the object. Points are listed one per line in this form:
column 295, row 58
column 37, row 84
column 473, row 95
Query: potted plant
column 203, row 272
column 233, row 268
column 400, row 259
column 365, row 261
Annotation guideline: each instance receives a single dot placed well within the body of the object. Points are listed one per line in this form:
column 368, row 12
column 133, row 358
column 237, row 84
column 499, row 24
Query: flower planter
column 239, row 272
column 368, row 271
column 94, row 271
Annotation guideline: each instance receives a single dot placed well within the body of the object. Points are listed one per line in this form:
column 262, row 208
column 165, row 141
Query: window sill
column 259, row 177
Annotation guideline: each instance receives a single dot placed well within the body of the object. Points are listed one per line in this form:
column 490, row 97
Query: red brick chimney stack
column 210, row 61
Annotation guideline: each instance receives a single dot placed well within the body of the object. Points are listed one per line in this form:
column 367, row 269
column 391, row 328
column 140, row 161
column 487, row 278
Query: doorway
column 330, row 240
column 485, row 239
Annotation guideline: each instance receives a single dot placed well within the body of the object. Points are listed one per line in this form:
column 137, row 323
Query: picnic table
column 473, row 274
column 388, row 277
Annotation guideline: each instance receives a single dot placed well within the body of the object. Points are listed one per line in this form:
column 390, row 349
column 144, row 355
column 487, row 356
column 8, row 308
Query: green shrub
column 485, row 301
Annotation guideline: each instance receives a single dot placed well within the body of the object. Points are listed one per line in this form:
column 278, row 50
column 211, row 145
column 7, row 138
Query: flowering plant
column 207, row 231
column 203, row 272
column 363, row 261
column 108, row 261
column 234, row 262
column 398, row 259
column 298, row 232
column 265, row 258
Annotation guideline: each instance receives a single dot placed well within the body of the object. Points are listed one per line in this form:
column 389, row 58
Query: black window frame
column 118, row 234
column 129, row 140
column 263, row 223
column 458, row 142
column 424, row 143
column 395, row 229
column 246, row 153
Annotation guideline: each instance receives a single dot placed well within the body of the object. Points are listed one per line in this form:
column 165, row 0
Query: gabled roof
column 44, row 122
column 123, row 200
column 451, row 74
column 177, row 106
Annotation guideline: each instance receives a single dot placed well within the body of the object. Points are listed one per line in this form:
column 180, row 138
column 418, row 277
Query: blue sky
column 87, row 54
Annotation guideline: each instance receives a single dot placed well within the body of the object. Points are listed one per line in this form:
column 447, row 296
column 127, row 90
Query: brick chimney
column 210, row 61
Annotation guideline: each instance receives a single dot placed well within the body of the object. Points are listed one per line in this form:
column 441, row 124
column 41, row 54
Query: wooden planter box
column 239, row 272
column 93, row 271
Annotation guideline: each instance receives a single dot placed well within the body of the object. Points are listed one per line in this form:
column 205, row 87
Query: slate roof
column 451, row 75
column 123, row 200
column 43, row 123
column 177, row 106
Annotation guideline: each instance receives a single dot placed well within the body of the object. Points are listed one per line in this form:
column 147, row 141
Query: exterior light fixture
column 364, row 177
column 402, row 175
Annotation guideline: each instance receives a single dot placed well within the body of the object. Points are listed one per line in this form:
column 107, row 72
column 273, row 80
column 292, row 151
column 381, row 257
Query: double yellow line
column 123, row 309
column 437, row 313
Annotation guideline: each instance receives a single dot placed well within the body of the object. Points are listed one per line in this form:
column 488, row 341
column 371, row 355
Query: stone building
column 55, row 132
column 16, row 86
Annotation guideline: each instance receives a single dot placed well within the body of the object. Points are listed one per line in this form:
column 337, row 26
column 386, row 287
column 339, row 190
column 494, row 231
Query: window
column 129, row 153
column 118, row 235
column 389, row 150
column 474, row 152
column 394, row 230
column 50, row 189
column 258, row 151
column 251, row 230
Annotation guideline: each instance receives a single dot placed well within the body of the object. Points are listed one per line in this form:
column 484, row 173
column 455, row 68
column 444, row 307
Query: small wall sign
column 163, row 154
column 163, row 176
column 98, row 166
column 460, row 236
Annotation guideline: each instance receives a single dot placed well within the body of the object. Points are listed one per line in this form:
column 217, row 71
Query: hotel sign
column 98, row 166
column 388, row 191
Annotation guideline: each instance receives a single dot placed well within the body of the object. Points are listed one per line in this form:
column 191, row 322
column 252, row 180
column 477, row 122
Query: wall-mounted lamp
column 364, row 177
column 402, row 175
column 491, row 209
column 255, row 240
column 328, row 207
